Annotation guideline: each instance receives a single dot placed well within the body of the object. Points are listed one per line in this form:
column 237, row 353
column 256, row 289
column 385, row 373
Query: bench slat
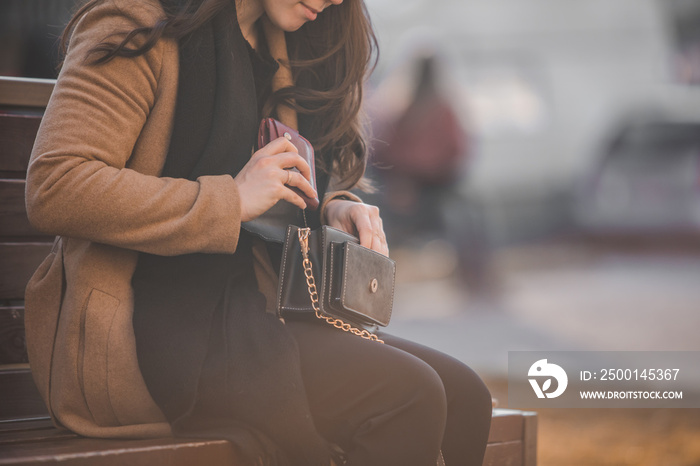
column 530, row 438
column 506, row 425
column 504, row 454
column 17, row 134
column 13, row 213
column 47, row 444
column 26, row 92
column 152, row 452
column 13, row 349
column 19, row 395
column 18, row 261
column 36, row 435
column 39, row 424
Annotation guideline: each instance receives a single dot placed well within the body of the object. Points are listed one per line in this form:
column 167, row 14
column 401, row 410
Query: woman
column 149, row 316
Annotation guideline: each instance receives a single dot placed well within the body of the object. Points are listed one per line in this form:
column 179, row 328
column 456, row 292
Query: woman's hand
column 264, row 180
column 358, row 219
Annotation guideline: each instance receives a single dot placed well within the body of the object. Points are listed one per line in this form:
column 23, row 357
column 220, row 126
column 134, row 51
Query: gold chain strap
column 313, row 293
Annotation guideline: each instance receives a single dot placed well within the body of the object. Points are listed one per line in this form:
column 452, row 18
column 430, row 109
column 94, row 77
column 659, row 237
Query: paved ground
column 557, row 297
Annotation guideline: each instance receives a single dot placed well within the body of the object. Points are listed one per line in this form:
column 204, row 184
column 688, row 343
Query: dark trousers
column 394, row 404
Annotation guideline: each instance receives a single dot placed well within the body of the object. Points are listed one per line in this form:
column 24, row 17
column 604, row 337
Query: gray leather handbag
column 327, row 274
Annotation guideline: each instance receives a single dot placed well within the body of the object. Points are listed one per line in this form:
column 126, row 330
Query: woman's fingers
column 294, row 170
column 292, row 160
column 276, row 146
column 296, row 180
column 369, row 228
column 360, row 219
column 286, row 154
column 379, row 243
column 363, row 226
column 292, row 197
column 261, row 182
column 273, row 173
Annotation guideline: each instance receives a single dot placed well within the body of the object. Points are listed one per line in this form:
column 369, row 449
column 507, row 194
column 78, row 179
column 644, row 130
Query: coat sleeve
column 342, row 194
column 83, row 180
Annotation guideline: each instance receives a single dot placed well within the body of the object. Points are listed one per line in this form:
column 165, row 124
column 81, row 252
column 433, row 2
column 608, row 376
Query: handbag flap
column 367, row 286
column 292, row 291
column 272, row 225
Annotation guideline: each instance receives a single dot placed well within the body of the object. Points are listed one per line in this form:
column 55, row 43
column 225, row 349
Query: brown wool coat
column 93, row 180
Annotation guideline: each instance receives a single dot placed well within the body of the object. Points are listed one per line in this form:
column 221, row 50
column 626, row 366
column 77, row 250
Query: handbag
column 328, row 274
column 325, row 272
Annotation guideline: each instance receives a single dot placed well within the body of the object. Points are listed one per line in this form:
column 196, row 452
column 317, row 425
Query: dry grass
column 668, row 437
column 606, row 437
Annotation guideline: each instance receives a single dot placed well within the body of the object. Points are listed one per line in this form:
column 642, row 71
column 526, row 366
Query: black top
column 264, row 68
column 214, row 361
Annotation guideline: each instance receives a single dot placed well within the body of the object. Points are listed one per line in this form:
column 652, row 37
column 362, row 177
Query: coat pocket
column 96, row 321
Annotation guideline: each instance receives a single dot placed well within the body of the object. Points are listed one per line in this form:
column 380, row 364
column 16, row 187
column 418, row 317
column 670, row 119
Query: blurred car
column 647, row 181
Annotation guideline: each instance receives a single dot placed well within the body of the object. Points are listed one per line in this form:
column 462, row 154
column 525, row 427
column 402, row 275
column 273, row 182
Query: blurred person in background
column 421, row 152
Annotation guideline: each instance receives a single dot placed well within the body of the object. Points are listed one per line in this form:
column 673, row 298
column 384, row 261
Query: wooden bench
column 27, row 435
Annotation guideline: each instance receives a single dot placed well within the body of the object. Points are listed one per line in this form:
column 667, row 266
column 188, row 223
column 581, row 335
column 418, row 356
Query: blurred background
column 537, row 164
column 563, row 213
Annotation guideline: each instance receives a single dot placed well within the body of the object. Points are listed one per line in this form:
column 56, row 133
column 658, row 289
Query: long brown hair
column 330, row 59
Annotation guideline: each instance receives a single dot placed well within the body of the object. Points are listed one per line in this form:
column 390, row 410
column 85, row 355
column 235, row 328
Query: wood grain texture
column 504, row 454
column 37, row 442
column 17, row 134
column 103, row 452
column 18, row 261
column 37, row 425
column 13, row 213
column 34, row 436
column 530, row 439
column 25, row 92
column 506, row 424
column 13, row 347
column 19, row 395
